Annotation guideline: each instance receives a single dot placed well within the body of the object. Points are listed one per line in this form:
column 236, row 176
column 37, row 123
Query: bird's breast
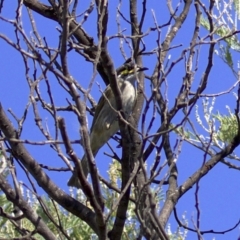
column 128, row 96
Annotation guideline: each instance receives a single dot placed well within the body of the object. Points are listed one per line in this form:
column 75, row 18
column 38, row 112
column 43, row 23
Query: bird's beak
column 140, row 69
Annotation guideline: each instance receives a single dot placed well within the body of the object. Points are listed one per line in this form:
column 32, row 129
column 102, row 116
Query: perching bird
column 105, row 121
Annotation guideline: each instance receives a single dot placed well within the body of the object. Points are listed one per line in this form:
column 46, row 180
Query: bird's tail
column 74, row 180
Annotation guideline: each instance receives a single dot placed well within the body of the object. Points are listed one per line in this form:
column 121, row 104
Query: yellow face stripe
column 126, row 72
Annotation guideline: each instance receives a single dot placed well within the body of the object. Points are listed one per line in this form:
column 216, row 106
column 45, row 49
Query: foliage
column 222, row 128
column 75, row 228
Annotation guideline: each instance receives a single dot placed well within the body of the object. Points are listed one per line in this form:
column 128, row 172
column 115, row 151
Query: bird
column 105, row 120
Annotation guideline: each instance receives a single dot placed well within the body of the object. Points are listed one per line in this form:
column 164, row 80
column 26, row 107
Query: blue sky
column 218, row 196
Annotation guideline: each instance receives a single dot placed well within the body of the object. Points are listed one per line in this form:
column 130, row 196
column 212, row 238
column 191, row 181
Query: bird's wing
column 104, row 114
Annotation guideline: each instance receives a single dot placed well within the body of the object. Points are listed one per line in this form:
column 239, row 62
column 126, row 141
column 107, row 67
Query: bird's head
column 129, row 70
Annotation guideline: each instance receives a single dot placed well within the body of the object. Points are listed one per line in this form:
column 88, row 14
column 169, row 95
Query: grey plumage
column 105, row 121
